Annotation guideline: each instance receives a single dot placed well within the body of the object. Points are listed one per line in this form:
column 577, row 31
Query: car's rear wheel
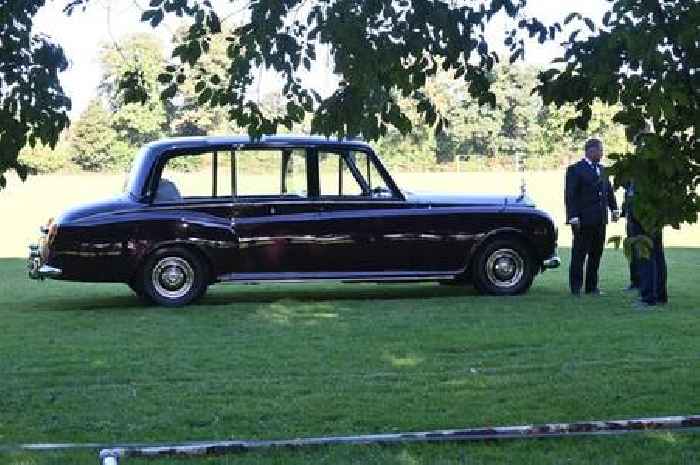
column 503, row 267
column 174, row 277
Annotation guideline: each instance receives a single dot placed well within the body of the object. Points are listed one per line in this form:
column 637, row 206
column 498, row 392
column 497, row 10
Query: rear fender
column 213, row 239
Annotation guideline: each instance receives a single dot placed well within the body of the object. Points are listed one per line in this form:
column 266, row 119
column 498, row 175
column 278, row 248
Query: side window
column 294, row 180
column 257, row 172
column 270, row 173
column 335, row 177
column 240, row 173
column 195, row 176
column 365, row 165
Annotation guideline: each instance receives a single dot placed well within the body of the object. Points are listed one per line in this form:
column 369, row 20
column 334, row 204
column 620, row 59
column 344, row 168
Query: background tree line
column 109, row 131
column 641, row 60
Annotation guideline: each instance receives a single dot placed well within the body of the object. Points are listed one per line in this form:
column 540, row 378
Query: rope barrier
column 114, row 454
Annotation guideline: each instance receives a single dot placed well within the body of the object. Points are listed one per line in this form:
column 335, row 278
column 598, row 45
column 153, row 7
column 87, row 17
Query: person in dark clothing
column 632, row 229
column 588, row 195
column 653, row 274
column 652, row 269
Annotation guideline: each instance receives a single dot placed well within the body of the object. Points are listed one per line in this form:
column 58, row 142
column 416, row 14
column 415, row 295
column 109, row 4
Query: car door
column 354, row 206
column 407, row 238
column 346, row 239
column 272, row 216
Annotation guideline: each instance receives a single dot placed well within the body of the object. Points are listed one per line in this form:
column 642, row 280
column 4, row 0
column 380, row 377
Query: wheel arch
column 497, row 234
column 196, row 249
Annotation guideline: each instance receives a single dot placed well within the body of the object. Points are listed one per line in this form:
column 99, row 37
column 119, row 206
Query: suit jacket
column 587, row 195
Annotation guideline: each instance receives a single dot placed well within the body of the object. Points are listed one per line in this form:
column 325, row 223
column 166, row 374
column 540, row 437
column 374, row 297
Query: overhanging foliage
column 33, row 106
column 646, row 59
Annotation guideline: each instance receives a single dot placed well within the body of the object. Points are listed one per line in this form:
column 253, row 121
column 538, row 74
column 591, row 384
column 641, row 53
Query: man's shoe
column 576, row 294
column 595, row 292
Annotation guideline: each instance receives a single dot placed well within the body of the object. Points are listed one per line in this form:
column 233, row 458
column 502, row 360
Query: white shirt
column 590, row 163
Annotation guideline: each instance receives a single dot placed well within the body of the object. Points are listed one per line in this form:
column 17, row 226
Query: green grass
column 85, row 363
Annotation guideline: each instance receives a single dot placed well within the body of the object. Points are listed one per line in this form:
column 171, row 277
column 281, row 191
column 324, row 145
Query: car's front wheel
column 503, row 267
column 174, row 277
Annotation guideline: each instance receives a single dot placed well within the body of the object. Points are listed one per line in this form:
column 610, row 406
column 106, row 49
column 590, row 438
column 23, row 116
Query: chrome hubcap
column 173, row 277
column 505, row 268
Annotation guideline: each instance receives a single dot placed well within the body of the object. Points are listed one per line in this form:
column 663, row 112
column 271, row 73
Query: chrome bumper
column 37, row 269
column 551, row 263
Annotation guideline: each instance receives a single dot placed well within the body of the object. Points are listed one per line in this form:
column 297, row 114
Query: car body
column 333, row 212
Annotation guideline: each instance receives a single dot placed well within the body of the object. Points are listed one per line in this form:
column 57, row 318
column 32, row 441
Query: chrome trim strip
column 302, row 277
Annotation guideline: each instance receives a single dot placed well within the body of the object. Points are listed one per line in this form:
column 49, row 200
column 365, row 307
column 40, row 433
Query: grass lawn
column 86, row 363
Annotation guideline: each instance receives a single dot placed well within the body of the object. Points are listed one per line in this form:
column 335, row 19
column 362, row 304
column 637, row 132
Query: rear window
column 227, row 174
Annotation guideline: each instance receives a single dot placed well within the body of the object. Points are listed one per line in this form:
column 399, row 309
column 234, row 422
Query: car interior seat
column 167, row 192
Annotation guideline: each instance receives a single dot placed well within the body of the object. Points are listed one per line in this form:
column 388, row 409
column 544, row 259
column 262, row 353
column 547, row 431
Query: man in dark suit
column 588, row 196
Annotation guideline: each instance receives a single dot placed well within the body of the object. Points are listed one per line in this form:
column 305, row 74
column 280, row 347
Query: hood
column 86, row 210
column 469, row 199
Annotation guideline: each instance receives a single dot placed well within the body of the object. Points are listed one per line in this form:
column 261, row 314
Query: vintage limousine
column 204, row 210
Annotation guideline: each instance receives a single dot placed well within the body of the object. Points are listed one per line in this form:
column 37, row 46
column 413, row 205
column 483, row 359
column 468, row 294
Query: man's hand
column 615, row 216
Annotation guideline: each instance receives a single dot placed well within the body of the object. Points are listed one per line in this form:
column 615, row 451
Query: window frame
column 344, row 152
column 157, row 173
column 343, row 158
column 312, row 173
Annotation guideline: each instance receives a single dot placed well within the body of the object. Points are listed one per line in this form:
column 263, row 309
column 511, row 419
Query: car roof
column 279, row 140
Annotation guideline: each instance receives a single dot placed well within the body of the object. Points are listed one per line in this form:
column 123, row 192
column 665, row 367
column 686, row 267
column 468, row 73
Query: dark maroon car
column 203, row 210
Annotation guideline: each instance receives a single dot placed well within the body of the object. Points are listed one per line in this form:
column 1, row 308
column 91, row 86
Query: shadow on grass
column 316, row 293
column 228, row 295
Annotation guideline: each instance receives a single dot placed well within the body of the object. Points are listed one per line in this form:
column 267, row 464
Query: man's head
column 594, row 150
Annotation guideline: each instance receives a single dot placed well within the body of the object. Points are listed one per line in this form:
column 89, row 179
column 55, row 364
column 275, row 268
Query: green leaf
column 153, row 16
column 165, row 78
column 205, row 96
column 571, row 16
column 169, row 92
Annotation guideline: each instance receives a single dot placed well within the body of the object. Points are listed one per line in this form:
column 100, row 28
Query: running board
column 305, row 277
